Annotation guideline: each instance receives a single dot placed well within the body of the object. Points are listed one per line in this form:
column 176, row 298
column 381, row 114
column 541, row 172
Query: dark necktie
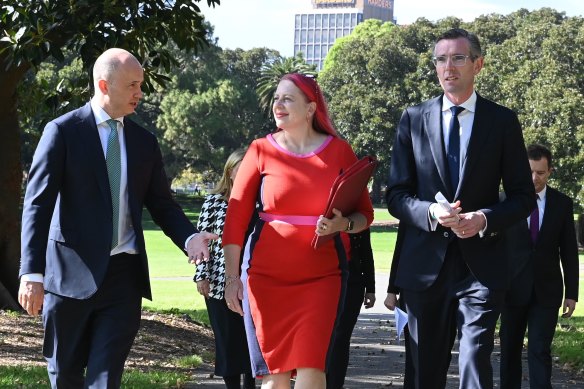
column 453, row 152
column 114, row 172
column 534, row 222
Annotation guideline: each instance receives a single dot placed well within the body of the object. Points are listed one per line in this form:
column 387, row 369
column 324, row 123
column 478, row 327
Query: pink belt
column 289, row 219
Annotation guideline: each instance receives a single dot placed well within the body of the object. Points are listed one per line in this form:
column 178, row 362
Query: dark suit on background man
column 537, row 285
column 93, row 285
column 360, row 292
column 452, row 264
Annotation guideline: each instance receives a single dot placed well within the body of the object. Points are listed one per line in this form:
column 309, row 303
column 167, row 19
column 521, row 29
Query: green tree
column 202, row 120
column 538, row 72
column 365, row 79
column 36, row 30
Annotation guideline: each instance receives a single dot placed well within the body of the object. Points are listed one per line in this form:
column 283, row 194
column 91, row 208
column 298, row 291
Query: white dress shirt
column 126, row 234
column 541, row 199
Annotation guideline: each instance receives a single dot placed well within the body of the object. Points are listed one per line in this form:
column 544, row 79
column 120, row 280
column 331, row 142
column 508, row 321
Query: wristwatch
column 350, row 225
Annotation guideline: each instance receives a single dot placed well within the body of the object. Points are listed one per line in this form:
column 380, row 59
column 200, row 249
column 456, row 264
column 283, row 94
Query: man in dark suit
column 538, row 245
column 83, row 255
column 451, row 268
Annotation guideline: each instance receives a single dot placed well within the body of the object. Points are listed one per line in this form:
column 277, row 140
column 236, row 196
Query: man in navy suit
column 452, row 266
column 538, row 245
column 83, row 257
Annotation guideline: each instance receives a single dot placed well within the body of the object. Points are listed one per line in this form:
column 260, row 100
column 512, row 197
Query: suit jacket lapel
column 480, row 131
column 433, row 125
column 131, row 157
column 549, row 213
column 95, row 150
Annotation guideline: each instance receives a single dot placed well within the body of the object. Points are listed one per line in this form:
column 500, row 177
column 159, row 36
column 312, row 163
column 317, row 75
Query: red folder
column 346, row 191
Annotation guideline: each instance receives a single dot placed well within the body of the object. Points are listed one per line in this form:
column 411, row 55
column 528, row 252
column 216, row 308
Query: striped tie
column 114, row 173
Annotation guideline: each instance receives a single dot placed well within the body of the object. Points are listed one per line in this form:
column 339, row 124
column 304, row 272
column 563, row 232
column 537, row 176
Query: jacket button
column 446, row 235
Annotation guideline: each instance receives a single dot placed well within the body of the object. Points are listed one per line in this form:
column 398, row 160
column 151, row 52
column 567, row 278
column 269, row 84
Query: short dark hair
column 455, row 33
column 536, row 151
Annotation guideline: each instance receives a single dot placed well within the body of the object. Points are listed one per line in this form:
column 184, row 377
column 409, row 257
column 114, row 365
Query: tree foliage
column 35, row 31
column 534, row 64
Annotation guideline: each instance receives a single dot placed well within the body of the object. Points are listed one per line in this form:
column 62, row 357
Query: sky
column 270, row 23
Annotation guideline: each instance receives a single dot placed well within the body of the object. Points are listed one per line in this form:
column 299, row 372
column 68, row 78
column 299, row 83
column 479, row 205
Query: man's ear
column 103, row 86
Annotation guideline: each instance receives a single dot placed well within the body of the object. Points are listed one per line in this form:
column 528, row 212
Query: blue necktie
column 453, row 152
column 113, row 161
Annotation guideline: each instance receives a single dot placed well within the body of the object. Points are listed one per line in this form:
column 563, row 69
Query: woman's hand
column 326, row 226
column 234, row 294
column 203, row 288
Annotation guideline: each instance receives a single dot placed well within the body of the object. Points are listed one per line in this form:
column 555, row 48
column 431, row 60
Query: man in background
column 542, row 247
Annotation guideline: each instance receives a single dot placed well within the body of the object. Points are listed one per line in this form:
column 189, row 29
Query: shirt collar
column 542, row 195
column 469, row 104
column 100, row 115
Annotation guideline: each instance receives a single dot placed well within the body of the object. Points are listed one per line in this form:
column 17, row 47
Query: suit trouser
column 339, row 354
column 456, row 302
column 95, row 334
column 409, row 375
column 541, row 322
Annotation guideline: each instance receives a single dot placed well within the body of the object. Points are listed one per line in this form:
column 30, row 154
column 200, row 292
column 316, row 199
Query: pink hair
column 321, row 120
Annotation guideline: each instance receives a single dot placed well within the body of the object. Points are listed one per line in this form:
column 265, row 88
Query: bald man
column 83, row 260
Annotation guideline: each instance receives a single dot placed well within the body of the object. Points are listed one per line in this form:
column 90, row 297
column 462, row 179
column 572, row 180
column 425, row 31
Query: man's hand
column 369, row 300
column 446, row 218
column 470, row 224
column 198, row 247
column 390, row 301
column 30, row 296
column 568, row 308
column 203, row 288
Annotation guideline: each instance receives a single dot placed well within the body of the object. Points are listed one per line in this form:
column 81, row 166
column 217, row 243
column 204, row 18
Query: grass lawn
column 174, row 291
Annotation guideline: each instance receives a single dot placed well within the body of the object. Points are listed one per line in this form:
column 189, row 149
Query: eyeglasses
column 456, row 60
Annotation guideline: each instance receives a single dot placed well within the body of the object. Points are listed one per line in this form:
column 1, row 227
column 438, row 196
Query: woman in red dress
column 292, row 293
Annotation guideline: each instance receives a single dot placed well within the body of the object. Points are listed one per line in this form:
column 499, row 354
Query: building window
column 310, row 52
column 353, row 20
column 304, row 22
column 325, row 20
column 297, row 21
column 346, row 32
column 296, row 49
column 339, row 32
column 297, row 36
column 317, row 35
column 310, row 36
column 310, row 21
column 339, row 20
column 323, row 51
column 303, row 36
column 347, row 20
column 318, row 20
column 332, row 20
column 332, row 36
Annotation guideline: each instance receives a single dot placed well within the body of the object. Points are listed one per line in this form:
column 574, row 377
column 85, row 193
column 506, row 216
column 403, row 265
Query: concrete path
column 377, row 359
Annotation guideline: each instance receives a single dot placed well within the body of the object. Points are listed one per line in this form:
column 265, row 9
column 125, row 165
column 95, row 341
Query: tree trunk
column 11, row 184
column 376, row 191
